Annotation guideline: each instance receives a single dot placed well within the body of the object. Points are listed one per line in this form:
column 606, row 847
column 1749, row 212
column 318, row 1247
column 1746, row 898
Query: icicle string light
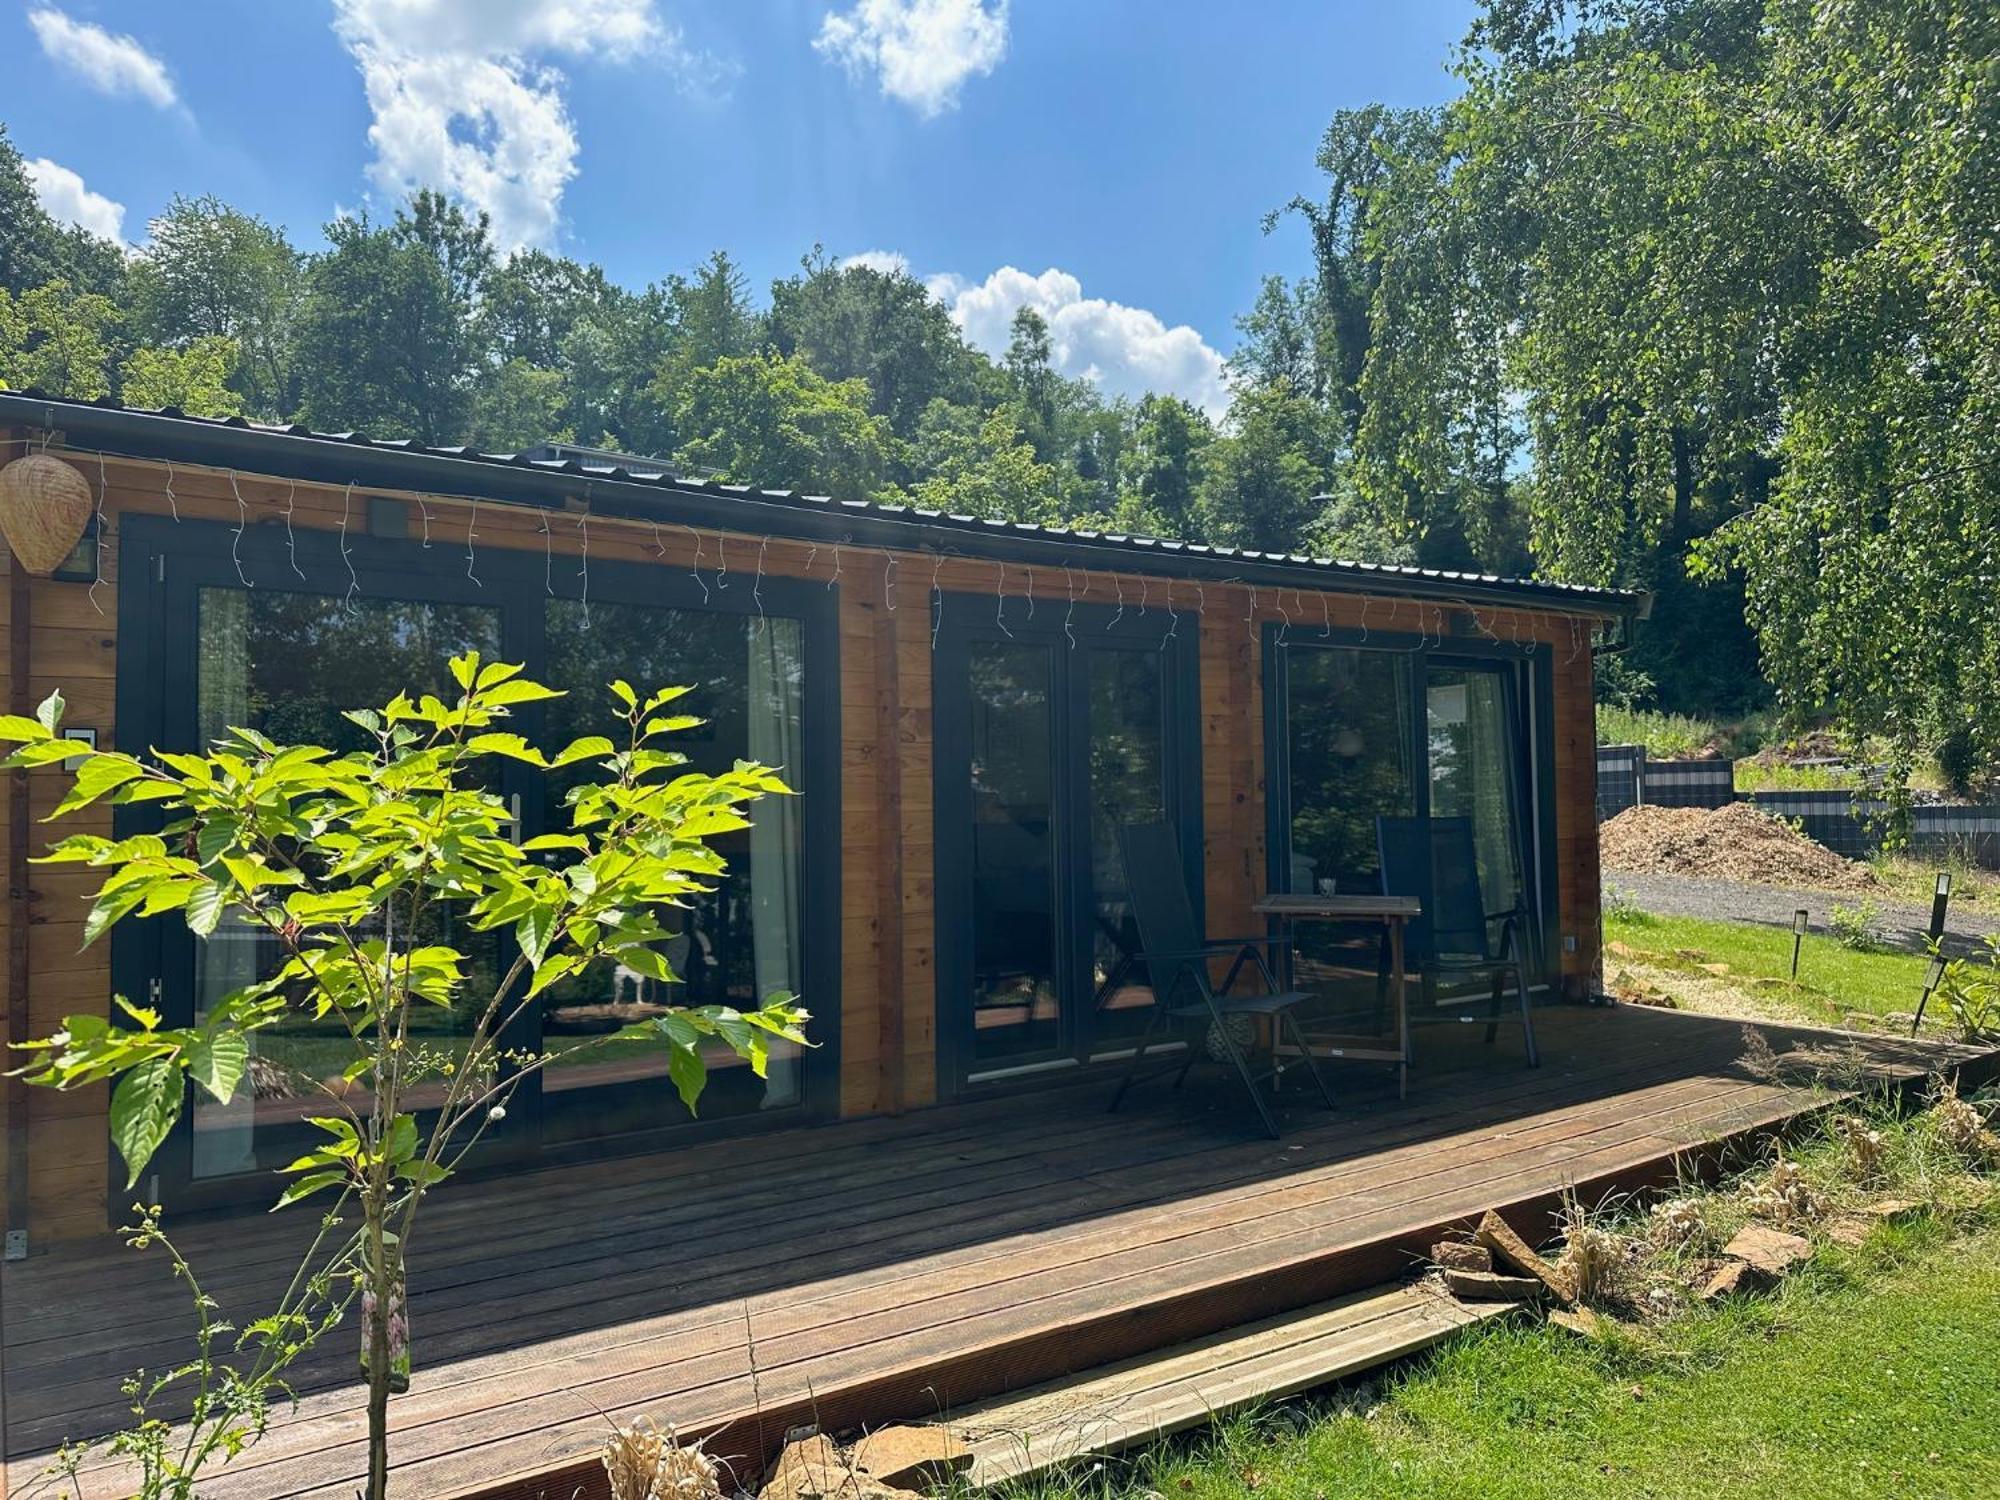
column 1000, row 601
column 837, row 567
column 353, row 579
column 173, row 501
column 1118, row 580
column 423, row 509
column 721, row 563
column 243, row 521
column 1366, row 601
column 694, row 570
column 291, row 536
column 1173, row 618
column 757, row 587
column 1031, row 595
column 659, row 542
column 583, row 565
column 471, row 523
column 936, row 600
column 1284, row 619
column 97, row 539
column 548, row 558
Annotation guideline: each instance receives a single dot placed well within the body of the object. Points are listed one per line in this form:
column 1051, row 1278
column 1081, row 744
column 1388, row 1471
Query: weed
column 1854, row 926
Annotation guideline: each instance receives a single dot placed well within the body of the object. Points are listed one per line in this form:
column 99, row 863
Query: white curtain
column 777, row 670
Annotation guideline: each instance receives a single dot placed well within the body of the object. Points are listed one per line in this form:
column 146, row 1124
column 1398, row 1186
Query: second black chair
column 1177, row 965
column 1436, row 860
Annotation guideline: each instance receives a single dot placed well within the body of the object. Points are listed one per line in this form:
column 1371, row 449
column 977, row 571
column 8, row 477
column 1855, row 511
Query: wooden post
column 889, row 1094
column 19, row 694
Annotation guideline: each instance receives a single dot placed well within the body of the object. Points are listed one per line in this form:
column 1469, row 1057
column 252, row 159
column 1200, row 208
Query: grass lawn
column 1871, row 1374
column 1835, row 982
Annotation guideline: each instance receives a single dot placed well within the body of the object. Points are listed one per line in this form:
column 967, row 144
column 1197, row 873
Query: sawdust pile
column 1735, row 842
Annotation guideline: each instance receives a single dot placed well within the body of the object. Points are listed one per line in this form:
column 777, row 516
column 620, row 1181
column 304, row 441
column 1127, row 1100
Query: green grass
column 1869, row 1374
column 1665, row 736
column 1754, row 775
column 1833, row 981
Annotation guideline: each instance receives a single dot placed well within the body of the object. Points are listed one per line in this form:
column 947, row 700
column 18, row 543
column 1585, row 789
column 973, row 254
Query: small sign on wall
column 86, row 737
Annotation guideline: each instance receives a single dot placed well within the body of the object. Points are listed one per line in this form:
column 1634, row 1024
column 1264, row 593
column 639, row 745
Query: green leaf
column 402, row 1142
column 689, row 1073
column 305, row 1187
column 622, row 691
column 15, row 727
column 217, row 1062
column 144, row 1106
column 98, row 775
column 51, row 711
column 518, row 691
column 423, row 1173
column 534, row 932
column 583, row 748
column 205, row 908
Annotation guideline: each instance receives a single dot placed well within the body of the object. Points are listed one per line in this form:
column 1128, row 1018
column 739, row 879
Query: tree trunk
column 377, row 1292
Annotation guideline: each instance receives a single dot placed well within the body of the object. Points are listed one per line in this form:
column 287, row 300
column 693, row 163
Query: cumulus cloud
column 1127, row 351
column 921, row 51
column 888, row 262
column 464, row 98
column 65, row 198
column 112, row 64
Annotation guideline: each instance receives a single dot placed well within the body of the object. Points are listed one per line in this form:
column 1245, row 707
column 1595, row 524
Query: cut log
column 1499, row 1236
column 1771, row 1251
column 911, row 1456
column 1732, row 1278
column 1490, row 1286
column 1453, row 1255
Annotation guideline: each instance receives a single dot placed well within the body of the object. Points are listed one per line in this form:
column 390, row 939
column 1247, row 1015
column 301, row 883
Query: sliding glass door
column 288, row 640
column 1051, row 734
column 1392, row 727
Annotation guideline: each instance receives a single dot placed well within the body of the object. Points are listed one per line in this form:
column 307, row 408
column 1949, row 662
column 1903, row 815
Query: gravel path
column 1734, row 901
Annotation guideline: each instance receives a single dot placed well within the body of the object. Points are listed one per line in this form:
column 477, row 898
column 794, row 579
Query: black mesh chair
column 1436, row 861
column 1177, row 960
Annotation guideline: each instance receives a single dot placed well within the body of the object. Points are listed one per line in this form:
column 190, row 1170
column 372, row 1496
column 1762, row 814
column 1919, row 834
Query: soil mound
column 1735, row 842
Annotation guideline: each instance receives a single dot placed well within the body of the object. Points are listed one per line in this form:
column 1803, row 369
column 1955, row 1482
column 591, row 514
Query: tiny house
column 970, row 710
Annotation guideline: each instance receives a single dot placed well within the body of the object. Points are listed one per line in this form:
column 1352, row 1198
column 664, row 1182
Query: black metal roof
column 292, row 451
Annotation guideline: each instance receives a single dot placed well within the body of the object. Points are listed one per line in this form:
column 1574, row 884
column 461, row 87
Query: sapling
column 353, row 861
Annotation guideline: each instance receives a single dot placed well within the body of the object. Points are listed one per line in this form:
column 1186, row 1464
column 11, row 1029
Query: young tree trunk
column 380, row 1288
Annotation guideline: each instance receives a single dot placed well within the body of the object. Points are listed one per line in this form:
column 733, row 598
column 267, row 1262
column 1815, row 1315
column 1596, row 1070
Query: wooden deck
column 908, row 1266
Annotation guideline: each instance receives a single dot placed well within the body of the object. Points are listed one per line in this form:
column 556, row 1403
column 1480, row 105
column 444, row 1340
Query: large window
column 208, row 646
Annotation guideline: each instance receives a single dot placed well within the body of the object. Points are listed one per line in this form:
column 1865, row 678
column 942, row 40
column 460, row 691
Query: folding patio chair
column 1436, row 861
column 1177, row 959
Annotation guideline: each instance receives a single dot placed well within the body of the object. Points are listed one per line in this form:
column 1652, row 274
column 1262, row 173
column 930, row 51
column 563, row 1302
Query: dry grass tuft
column 1863, row 1146
column 645, row 1462
column 1783, row 1196
column 1593, row 1259
column 1961, row 1128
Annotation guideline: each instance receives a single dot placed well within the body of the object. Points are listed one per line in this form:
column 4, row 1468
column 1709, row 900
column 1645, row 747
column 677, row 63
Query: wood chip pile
column 1736, row 842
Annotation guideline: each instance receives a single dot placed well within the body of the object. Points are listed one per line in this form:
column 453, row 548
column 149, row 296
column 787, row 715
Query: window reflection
column 733, row 946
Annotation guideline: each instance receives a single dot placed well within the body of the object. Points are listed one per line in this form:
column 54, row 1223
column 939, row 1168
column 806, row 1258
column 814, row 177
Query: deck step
column 1135, row 1401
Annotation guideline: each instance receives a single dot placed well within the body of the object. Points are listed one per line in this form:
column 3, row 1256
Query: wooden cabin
column 969, row 708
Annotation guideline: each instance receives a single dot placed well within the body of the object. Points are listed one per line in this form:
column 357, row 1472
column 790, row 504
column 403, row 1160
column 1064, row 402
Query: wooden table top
column 1358, row 908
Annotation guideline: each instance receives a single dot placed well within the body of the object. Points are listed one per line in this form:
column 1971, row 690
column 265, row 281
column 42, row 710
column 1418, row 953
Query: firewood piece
column 1454, row 1255
column 1499, row 1236
column 1771, row 1251
column 910, row 1456
column 1490, row 1286
column 1731, row 1278
column 1580, row 1321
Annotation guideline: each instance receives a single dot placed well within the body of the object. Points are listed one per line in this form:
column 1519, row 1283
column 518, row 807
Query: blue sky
column 1108, row 162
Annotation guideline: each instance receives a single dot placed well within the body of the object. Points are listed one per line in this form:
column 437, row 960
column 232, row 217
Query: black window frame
column 164, row 566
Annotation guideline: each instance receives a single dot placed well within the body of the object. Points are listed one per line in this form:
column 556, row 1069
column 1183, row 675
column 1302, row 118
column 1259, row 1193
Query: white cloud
column 111, row 64
column 1127, row 351
column 888, row 262
column 67, row 200
column 463, row 100
column 921, row 50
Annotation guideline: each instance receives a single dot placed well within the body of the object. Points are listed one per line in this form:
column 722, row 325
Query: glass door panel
column 1126, row 727
column 1475, row 756
column 732, row 945
column 1016, row 1000
column 288, row 665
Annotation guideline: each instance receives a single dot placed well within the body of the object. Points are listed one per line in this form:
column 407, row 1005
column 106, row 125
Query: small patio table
column 1394, row 913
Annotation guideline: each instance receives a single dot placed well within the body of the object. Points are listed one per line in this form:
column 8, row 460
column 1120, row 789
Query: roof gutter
column 370, row 465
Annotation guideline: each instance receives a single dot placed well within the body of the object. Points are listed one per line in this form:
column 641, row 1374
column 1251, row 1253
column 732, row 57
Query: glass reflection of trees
column 737, row 942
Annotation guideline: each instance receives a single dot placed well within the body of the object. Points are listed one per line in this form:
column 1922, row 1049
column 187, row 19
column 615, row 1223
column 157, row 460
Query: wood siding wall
column 887, row 1005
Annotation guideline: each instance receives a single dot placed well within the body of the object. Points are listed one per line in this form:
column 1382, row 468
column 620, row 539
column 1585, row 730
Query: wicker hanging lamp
column 45, row 504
